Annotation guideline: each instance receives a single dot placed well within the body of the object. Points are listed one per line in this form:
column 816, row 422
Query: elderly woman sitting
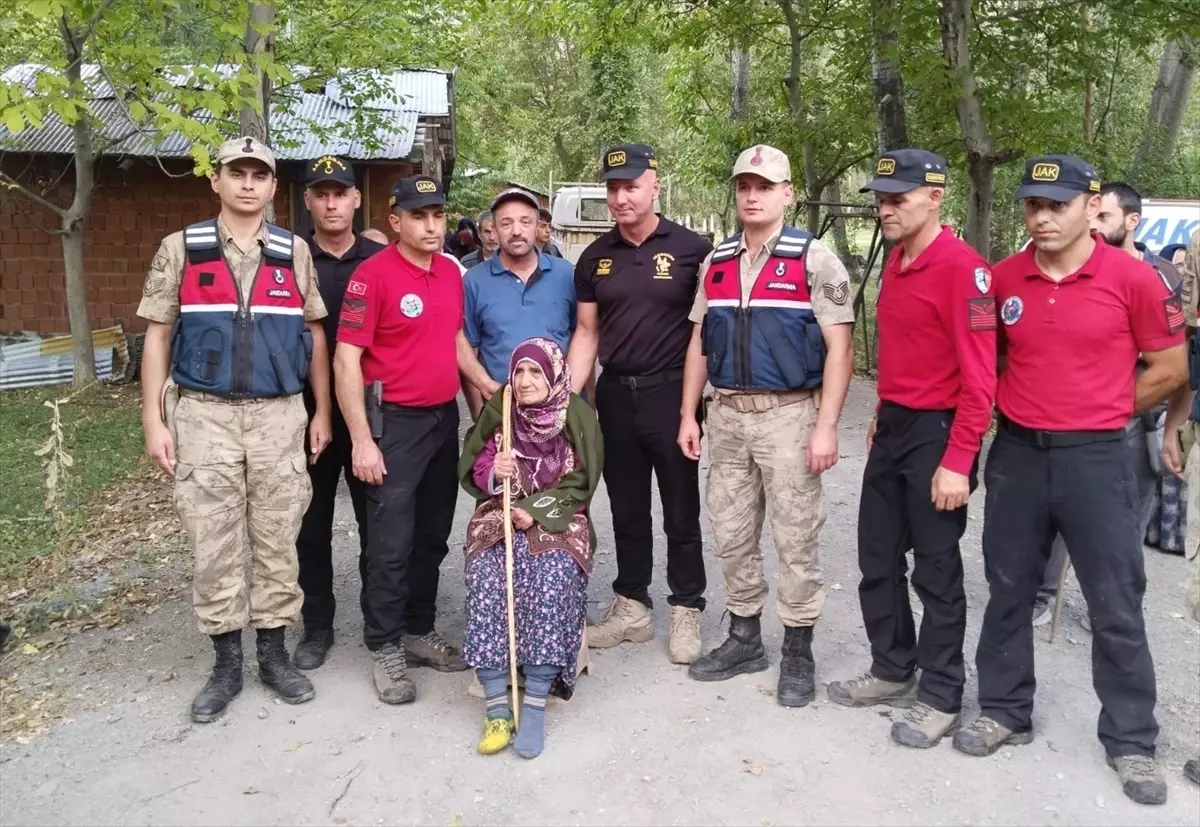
column 553, row 467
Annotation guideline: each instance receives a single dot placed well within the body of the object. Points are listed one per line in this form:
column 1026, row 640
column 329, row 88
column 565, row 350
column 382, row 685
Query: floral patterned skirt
column 550, row 592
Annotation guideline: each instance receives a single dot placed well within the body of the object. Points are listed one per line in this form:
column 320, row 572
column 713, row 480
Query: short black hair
column 544, row 214
column 1129, row 198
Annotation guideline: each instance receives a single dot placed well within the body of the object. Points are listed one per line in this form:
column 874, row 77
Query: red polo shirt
column 407, row 319
column 1072, row 346
column 937, row 340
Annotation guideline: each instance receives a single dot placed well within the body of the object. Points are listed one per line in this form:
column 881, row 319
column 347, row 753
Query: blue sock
column 531, row 737
column 495, row 692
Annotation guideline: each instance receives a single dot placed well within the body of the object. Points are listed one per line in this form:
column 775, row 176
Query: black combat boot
column 225, row 682
column 313, row 648
column 740, row 654
column 796, row 670
column 276, row 671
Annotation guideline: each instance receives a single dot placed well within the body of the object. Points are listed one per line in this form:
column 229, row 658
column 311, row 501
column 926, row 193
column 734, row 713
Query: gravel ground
column 639, row 744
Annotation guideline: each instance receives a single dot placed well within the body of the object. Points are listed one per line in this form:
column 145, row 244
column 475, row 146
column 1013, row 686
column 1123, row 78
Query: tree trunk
column 83, row 355
column 886, row 79
column 841, row 243
column 740, row 60
column 1168, row 102
column 982, row 156
column 812, row 185
column 260, row 39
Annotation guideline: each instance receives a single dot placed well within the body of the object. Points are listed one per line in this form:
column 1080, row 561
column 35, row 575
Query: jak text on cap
column 1057, row 177
column 627, row 162
column 237, row 149
column 764, row 161
column 415, row 192
column 329, row 168
column 902, row 170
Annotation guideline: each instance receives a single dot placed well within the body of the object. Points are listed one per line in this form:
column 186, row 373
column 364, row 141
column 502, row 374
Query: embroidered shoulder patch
column 354, row 313
column 838, row 294
column 1173, row 307
column 981, row 313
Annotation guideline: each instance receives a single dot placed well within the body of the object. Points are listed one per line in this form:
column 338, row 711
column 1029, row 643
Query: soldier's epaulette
column 201, row 236
column 279, row 244
column 727, row 249
column 792, row 243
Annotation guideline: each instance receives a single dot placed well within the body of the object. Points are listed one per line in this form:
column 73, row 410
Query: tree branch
column 97, row 16
column 14, row 184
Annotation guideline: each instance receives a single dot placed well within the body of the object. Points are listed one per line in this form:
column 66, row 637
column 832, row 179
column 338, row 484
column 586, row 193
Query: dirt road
column 640, row 743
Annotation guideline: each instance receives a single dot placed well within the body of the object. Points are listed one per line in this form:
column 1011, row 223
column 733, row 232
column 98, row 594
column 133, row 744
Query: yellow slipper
column 497, row 733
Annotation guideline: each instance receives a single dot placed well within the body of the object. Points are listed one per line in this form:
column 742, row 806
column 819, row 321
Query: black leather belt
column 1059, row 439
column 635, row 383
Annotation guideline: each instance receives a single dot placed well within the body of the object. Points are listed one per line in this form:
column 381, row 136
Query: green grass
column 102, row 434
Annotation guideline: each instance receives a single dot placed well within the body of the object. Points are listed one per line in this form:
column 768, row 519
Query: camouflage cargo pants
column 1191, row 543
column 241, row 473
column 757, row 467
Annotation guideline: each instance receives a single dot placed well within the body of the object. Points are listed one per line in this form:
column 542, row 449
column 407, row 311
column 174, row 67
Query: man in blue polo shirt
column 515, row 295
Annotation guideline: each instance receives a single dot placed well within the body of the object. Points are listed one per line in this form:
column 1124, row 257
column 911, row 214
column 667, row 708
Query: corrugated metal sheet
column 316, row 123
column 37, row 362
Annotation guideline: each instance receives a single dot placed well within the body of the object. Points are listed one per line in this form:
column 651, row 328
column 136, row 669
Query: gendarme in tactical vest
column 240, row 346
column 773, row 343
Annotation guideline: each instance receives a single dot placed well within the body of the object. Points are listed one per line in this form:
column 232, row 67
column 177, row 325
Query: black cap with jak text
column 1057, row 177
column 415, row 192
column 901, row 170
column 627, row 162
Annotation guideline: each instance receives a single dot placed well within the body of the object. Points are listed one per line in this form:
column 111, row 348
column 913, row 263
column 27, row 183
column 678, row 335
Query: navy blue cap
column 901, row 170
column 415, row 192
column 627, row 162
column 1057, row 177
column 329, row 168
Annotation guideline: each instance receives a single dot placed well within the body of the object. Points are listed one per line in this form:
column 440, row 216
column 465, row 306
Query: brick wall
column 132, row 210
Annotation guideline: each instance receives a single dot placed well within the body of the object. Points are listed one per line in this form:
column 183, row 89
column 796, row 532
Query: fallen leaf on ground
column 295, row 745
column 687, row 720
column 837, row 587
column 751, row 767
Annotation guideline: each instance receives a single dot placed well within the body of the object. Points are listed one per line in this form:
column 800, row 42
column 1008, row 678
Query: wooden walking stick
column 506, row 445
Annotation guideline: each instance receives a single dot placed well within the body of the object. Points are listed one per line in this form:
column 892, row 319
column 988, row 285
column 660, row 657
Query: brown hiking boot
column 923, row 726
column 1140, row 778
column 624, row 620
column 685, row 635
column 868, row 690
column 984, row 736
column 433, row 650
column 390, row 671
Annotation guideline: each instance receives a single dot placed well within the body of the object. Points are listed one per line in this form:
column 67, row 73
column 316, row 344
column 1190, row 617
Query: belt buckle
column 1042, row 439
column 630, row 382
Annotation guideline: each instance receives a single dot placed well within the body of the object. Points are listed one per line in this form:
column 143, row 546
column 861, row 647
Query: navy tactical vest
column 773, row 343
column 233, row 345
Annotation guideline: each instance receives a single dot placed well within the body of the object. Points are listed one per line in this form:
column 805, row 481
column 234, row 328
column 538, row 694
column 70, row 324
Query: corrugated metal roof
column 36, row 362
column 317, row 123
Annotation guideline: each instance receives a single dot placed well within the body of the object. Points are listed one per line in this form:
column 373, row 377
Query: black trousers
column 409, row 518
column 641, row 429
column 314, row 544
column 896, row 513
column 1088, row 493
